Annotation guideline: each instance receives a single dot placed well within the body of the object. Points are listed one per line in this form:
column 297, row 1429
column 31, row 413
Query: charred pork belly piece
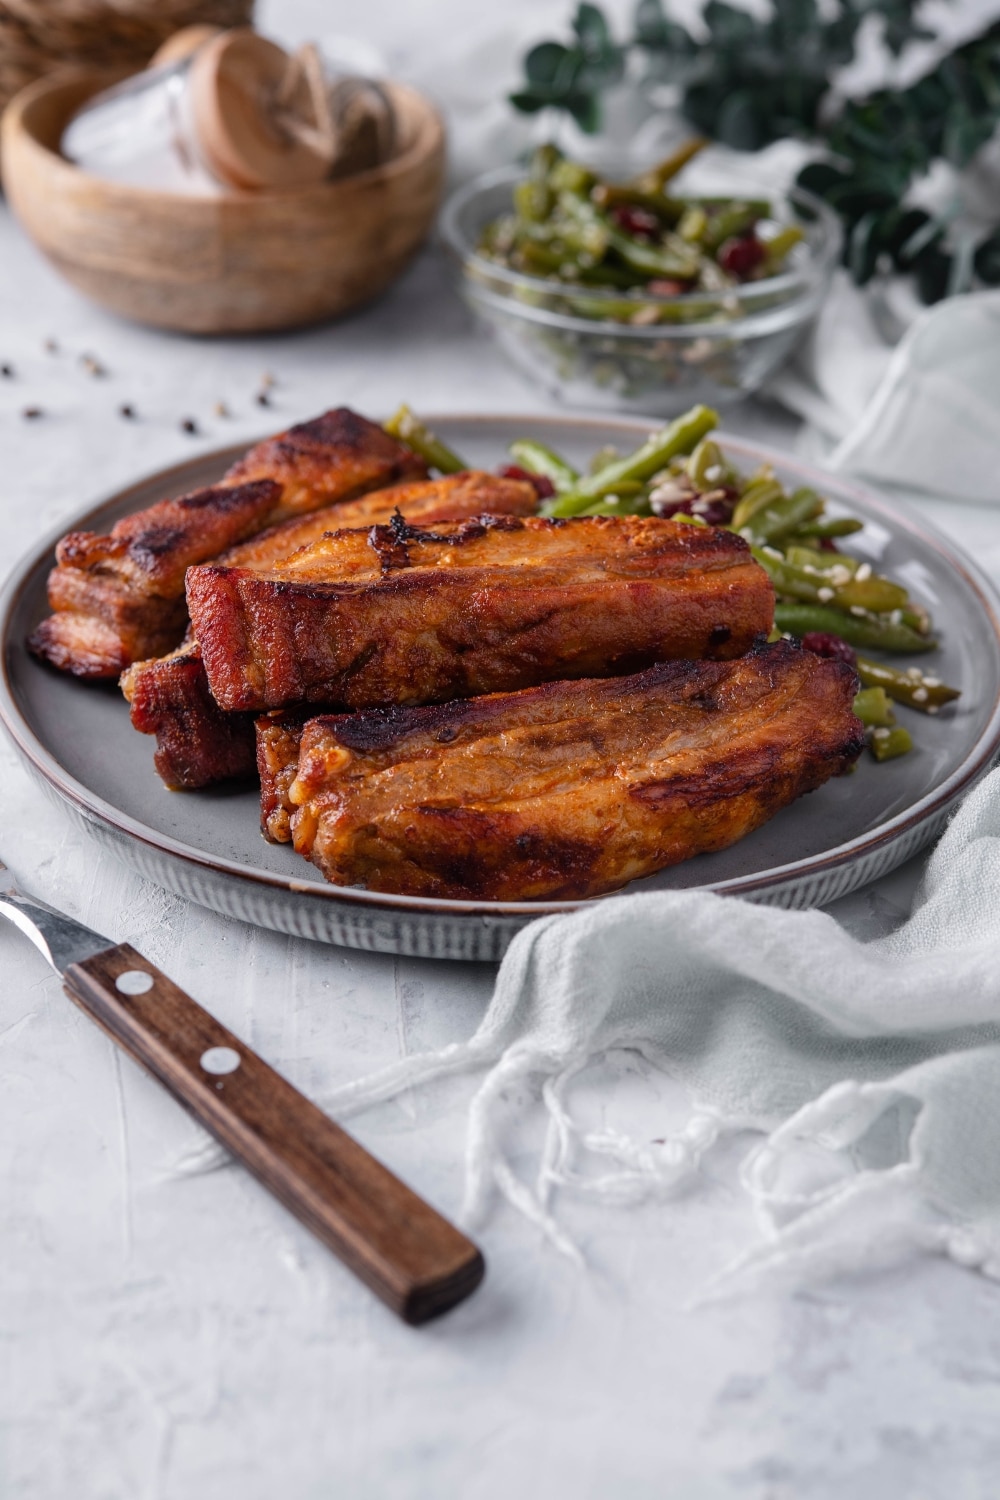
column 562, row 791
column 197, row 743
column 279, row 737
column 120, row 597
column 425, row 502
column 401, row 615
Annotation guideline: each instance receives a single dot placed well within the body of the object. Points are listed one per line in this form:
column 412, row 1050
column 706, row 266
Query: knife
column 411, row 1257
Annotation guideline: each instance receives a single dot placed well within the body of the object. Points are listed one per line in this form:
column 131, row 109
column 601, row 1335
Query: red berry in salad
column 820, row 643
column 544, row 488
column 636, row 221
column 741, row 256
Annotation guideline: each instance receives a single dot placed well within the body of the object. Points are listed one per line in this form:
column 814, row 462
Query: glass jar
column 236, row 114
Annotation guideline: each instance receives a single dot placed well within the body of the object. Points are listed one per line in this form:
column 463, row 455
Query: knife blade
column 401, row 1247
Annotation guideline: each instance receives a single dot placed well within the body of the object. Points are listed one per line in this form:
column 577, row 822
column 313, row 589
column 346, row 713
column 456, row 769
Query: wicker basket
column 39, row 35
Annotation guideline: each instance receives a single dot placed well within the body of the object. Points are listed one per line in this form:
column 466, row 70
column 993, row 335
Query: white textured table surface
column 168, row 1339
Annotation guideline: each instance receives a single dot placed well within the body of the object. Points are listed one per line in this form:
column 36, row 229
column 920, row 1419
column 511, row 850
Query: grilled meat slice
column 279, row 738
column 197, row 743
column 400, row 615
column 124, row 591
column 425, row 502
column 563, row 791
column 327, row 460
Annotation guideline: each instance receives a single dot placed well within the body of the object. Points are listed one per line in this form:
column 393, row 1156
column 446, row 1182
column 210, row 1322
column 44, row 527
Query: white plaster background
column 186, row 1340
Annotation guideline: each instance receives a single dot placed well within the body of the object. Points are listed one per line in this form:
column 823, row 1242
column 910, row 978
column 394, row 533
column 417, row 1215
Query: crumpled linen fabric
column 923, row 416
column 870, row 1071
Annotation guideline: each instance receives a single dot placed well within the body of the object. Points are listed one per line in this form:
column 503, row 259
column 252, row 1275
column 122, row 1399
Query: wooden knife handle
column 410, row 1256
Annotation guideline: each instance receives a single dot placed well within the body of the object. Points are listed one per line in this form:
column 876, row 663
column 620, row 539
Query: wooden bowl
column 235, row 264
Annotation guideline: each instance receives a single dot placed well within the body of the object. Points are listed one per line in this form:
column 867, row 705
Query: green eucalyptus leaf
column 863, row 246
column 794, row 19
column 820, row 176
column 728, row 25
column 586, row 111
column 656, row 33
column 528, row 102
column 548, row 64
column 591, row 28
column 925, row 233
column 932, row 273
column 738, row 123
column 901, row 228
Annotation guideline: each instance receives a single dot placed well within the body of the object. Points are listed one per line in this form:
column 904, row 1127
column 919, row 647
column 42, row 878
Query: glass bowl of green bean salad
column 636, row 294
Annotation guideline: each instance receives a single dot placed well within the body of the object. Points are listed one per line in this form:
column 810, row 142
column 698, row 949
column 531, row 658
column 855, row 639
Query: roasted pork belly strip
column 120, row 597
column 197, row 743
column 562, row 791
column 424, row 502
column 279, row 738
column 400, row 615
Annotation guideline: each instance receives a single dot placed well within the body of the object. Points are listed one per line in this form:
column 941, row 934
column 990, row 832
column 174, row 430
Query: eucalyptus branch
column 749, row 81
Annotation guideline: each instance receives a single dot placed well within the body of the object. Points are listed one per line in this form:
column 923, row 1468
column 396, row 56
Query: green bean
column 680, row 436
column 877, row 595
column 886, row 744
column 614, row 195
column 543, row 161
column 840, row 526
column 617, row 309
column 873, row 708
column 673, row 260
column 636, row 504
column 539, row 459
column 762, row 491
column 783, row 516
column 533, row 200
column 916, row 617
column 707, row 468
column 609, row 454
column 571, row 177
column 778, row 246
column 873, row 595
column 808, row 557
column 549, row 259
column 873, row 631
column 693, row 224
column 654, row 180
column 577, row 233
column 926, row 694
column 608, row 276
column 728, row 223
column 411, row 431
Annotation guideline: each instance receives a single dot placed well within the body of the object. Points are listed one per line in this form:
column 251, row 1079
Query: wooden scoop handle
column 409, row 1255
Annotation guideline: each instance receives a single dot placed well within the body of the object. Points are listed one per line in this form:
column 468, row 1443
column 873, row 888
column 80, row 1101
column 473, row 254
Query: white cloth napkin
column 872, row 1070
column 922, row 416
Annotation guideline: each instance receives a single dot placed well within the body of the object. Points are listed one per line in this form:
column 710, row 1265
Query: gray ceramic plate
column 205, row 845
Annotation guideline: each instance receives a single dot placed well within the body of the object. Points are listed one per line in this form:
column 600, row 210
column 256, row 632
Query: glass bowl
column 632, row 351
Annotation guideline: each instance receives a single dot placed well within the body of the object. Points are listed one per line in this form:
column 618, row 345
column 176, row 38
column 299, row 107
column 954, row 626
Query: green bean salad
column 833, row 603
column 571, row 227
